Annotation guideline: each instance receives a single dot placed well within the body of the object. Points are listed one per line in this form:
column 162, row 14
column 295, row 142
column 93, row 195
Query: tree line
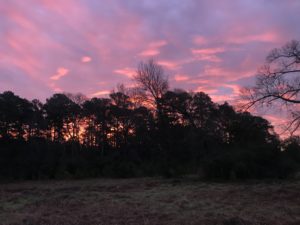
column 148, row 130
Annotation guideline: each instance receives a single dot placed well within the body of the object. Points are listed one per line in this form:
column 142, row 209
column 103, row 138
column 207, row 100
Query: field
column 146, row 201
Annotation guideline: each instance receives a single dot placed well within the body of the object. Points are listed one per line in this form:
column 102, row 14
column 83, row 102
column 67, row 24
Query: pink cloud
column 208, row 54
column 209, row 58
column 21, row 51
column 276, row 120
column 101, row 93
column 269, row 36
column 231, row 97
column 171, row 65
column 279, row 122
column 221, row 98
column 61, row 72
column 230, row 74
column 206, row 89
column 153, row 48
column 129, row 72
column 54, row 87
column 200, row 40
column 86, row 59
column 208, row 51
column 214, row 71
column 158, row 44
column 181, row 77
column 149, row 52
column 219, row 92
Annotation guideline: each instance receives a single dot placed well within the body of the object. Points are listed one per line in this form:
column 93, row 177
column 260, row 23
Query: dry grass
column 149, row 201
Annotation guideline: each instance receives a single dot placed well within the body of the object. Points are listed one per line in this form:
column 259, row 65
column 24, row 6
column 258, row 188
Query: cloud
column 153, row 48
column 128, row 72
column 200, row 40
column 269, row 37
column 100, row 93
column 181, row 77
column 208, row 54
column 149, row 52
column 207, row 51
column 86, row 59
column 61, row 72
column 158, row 44
column 279, row 122
column 207, row 89
column 169, row 64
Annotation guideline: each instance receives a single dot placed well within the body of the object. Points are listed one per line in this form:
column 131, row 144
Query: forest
column 148, row 130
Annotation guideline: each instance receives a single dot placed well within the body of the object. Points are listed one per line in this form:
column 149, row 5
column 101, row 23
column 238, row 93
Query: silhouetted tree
column 15, row 115
column 98, row 118
column 291, row 147
column 178, row 133
column 38, row 124
column 152, row 83
column 122, row 123
column 62, row 116
column 278, row 82
column 177, row 105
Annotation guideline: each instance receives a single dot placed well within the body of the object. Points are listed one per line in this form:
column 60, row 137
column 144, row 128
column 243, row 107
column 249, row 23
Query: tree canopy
column 73, row 136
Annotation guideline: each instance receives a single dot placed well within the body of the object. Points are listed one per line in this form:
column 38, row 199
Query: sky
column 90, row 46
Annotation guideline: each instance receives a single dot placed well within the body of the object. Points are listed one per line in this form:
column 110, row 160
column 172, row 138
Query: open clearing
column 149, row 201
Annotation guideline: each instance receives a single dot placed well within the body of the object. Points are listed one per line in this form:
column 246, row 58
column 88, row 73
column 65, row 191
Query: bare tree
column 151, row 82
column 278, row 82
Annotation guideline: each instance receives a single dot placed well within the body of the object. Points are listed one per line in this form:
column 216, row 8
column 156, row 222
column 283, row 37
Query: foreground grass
column 149, row 201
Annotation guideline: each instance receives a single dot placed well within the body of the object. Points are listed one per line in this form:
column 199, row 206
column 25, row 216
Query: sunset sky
column 90, row 46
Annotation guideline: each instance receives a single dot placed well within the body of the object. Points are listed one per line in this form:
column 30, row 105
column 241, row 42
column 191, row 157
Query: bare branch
column 278, row 82
column 151, row 81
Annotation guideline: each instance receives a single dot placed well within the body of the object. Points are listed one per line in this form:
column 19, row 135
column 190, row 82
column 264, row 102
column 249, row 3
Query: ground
column 149, row 201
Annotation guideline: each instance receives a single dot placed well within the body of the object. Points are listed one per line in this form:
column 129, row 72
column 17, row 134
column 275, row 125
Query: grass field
column 149, row 201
